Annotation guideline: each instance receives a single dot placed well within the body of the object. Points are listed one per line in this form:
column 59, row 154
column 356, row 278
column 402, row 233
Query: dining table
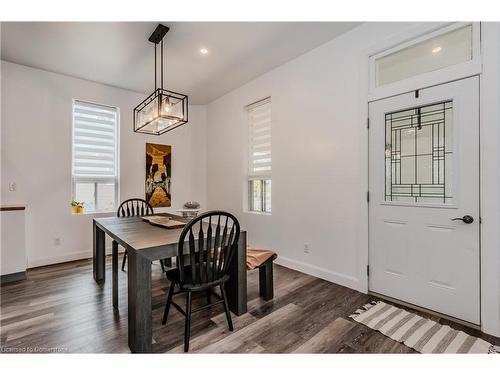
column 146, row 243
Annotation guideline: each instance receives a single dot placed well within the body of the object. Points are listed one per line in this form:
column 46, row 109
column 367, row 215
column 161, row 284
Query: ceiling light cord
column 155, row 68
column 161, row 64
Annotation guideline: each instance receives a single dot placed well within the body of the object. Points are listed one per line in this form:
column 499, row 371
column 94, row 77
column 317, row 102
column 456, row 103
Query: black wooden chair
column 203, row 258
column 133, row 207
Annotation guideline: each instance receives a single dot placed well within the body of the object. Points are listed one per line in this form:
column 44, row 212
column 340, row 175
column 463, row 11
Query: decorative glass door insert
column 418, row 154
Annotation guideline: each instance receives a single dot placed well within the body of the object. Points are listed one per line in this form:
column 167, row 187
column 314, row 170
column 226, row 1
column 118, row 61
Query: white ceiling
column 119, row 54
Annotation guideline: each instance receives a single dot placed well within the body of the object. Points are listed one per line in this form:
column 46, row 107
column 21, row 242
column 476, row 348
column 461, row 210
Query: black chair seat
column 173, row 275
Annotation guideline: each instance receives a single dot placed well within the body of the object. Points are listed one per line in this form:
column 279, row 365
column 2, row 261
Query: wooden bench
column 263, row 260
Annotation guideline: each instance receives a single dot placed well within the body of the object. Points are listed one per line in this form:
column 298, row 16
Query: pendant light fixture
column 163, row 110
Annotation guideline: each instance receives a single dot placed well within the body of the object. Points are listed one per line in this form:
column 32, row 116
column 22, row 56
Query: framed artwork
column 158, row 175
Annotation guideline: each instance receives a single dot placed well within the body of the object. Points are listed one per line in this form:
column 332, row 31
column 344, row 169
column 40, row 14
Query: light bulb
column 165, row 108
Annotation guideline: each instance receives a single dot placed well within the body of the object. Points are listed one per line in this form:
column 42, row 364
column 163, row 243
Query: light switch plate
column 12, row 186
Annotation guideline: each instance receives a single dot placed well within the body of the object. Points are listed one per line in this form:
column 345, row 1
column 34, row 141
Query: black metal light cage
column 160, row 101
column 157, row 94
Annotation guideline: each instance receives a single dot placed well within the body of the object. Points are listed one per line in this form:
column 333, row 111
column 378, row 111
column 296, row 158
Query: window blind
column 94, row 141
column 259, row 148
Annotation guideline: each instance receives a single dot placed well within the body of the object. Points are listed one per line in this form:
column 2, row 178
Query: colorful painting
column 158, row 175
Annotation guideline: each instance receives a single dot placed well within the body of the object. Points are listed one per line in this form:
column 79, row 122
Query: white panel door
column 424, row 198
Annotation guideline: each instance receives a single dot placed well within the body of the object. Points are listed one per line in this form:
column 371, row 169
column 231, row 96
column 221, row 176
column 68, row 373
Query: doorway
column 424, row 222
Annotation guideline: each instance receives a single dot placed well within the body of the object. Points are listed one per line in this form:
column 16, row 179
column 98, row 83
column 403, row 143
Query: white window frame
column 267, row 176
column 427, row 79
column 251, row 201
column 96, row 180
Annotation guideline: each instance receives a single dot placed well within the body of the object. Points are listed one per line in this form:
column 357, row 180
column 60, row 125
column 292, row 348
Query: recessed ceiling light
column 436, row 50
column 203, row 51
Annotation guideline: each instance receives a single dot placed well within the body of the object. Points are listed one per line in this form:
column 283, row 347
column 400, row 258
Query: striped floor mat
column 423, row 335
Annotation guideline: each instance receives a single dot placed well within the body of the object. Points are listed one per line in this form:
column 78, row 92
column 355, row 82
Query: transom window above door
column 451, row 48
column 430, row 56
column 418, row 154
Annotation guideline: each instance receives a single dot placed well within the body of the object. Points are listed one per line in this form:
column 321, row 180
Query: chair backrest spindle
column 208, row 253
column 134, row 207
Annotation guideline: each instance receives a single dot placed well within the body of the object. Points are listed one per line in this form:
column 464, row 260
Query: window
column 259, row 156
column 260, row 195
column 444, row 48
column 95, row 156
column 418, row 154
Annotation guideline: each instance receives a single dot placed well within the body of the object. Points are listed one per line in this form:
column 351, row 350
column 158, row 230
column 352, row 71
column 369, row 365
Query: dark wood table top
column 138, row 233
column 142, row 236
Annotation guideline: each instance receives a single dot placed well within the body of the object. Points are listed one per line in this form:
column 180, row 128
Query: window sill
column 94, row 213
column 259, row 213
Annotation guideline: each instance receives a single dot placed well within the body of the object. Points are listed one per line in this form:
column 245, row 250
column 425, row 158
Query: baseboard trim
column 32, row 263
column 322, row 273
column 12, row 277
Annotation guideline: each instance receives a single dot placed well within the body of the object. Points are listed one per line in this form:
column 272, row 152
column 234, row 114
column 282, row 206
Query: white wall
column 320, row 169
column 319, row 157
column 36, row 154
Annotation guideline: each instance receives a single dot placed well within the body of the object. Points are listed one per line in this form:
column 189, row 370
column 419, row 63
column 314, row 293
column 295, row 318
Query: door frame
column 371, row 201
column 489, row 174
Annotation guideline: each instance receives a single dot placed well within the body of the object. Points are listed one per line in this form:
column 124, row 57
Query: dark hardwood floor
column 61, row 309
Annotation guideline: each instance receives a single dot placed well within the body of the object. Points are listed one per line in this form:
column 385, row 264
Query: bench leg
column 266, row 288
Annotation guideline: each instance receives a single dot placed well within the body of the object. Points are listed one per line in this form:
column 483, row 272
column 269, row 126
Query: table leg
column 114, row 262
column 99, row 254
column 139, row 303
column 237, row 283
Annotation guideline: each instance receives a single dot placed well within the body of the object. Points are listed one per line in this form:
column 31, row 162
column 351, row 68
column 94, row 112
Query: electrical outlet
column 12, row 186
column 306, row 248
column 57, row 241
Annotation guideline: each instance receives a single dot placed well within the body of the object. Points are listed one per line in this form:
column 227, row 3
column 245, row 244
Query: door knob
column 467, row 219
